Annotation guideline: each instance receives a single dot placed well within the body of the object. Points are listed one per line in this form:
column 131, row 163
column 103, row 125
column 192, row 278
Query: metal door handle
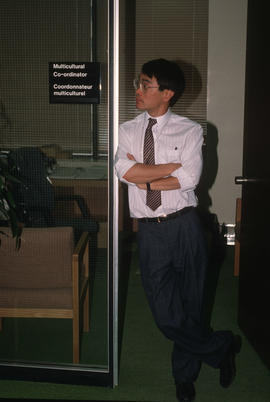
column 243, row 180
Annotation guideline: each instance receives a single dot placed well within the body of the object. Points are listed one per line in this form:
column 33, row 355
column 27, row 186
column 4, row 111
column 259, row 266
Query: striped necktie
column 153, row 197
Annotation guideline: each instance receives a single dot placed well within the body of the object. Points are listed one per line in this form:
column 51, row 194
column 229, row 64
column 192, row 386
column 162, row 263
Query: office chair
column 34, row 194
column 47, row 277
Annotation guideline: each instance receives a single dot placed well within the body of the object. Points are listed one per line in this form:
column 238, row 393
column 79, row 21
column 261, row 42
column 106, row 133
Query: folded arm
column 140, row 173
column 164, row 184
column 157, row 175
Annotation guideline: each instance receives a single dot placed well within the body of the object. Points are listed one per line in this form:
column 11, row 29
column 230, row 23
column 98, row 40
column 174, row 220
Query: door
column 74, row 123
column 254, row 278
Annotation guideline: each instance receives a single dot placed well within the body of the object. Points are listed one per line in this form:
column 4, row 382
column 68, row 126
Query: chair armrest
column 80, row 246
column 80, row 267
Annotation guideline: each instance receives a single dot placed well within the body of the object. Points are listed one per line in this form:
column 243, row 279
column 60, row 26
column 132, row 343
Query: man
column 160, row 158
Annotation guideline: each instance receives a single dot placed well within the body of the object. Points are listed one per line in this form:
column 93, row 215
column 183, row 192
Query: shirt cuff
column 185, row 180
column 122, row 166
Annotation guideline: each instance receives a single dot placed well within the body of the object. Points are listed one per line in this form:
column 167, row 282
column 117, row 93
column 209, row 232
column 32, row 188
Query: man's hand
column 142, row 186
column 131, row 157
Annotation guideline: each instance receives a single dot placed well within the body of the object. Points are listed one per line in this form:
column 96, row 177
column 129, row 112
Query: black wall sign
column 74, row 82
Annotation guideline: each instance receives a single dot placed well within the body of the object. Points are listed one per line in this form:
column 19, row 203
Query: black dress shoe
column 185, row 391
column 227, row 366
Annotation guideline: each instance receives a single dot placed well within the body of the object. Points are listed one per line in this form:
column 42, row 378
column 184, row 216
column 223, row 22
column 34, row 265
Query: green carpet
column 145, row 370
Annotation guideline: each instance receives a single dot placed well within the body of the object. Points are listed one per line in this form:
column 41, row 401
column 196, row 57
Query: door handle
column 244, row 180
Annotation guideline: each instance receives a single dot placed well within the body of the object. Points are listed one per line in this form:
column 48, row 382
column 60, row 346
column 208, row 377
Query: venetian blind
column 34, row 33
column 172, row 29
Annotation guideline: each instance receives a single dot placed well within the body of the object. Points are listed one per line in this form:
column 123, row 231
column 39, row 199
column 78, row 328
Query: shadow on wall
column 215, row 238
column 210, row 159
column 193, row 83
column 210, row 168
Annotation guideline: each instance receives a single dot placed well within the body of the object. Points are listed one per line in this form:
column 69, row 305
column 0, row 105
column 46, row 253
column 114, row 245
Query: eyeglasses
column 141, row 85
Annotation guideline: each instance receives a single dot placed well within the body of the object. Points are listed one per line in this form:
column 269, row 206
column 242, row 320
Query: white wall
column 226, row 75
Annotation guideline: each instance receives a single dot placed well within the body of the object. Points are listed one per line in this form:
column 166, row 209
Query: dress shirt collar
column 161, row 120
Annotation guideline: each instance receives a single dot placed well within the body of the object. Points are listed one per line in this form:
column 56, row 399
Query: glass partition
column 55, row 114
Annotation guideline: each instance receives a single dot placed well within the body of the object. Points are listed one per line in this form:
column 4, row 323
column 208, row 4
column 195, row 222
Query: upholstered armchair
column 47, row 277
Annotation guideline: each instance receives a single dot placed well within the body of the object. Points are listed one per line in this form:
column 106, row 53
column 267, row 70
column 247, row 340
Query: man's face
column 150, row 98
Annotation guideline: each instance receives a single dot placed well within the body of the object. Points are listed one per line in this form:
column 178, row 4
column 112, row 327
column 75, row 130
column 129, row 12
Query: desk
column 89, row 180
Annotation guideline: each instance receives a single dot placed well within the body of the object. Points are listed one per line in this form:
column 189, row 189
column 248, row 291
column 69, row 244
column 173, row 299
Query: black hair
column 168, row 75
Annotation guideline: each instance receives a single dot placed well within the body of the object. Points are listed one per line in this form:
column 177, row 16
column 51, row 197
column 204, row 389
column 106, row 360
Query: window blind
column 172, row 29
column 34, row 33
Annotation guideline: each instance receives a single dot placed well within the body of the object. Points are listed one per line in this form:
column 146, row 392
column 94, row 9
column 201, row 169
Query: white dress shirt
column 177, row 139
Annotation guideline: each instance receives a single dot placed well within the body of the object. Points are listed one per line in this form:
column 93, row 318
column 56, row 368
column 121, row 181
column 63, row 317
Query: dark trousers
column 173, row 262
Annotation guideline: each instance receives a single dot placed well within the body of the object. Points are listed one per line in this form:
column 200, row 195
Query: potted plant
column 7, row 203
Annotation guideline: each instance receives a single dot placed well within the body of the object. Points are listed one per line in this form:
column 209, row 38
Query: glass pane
column 58, row 150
